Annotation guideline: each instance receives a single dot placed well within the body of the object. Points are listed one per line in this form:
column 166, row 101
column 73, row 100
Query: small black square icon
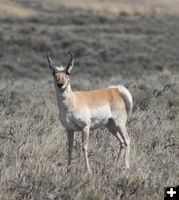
column 171, row 193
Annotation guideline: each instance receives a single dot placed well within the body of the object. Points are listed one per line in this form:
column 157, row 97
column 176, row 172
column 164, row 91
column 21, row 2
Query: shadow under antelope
column 87, row 110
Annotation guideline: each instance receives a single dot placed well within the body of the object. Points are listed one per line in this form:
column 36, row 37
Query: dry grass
column 136, row 50
column 22, row 8
column 33, row 146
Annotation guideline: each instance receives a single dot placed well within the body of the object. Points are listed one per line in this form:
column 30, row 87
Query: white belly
column 100, row 116
column 68, row 123
column 72, row 121
column 94, row 118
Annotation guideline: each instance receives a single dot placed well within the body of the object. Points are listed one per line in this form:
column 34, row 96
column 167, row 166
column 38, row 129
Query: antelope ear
column 69, row 66
column 50, row 62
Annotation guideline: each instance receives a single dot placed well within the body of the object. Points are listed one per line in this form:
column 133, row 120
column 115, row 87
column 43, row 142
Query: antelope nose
column 60, row 85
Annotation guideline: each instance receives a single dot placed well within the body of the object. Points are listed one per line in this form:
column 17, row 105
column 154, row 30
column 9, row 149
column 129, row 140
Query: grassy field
column 114, row 42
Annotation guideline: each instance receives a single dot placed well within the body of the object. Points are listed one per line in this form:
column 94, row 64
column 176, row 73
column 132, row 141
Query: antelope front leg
column 85, row 138
column 70, row 135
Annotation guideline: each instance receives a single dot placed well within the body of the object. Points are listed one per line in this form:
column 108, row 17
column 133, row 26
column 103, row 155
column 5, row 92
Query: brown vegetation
column 139, row 51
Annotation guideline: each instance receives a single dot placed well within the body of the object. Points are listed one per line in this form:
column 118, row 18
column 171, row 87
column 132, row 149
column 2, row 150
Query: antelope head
column 61, row 74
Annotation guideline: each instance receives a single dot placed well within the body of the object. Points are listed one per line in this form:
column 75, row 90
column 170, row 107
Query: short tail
column 127, row 97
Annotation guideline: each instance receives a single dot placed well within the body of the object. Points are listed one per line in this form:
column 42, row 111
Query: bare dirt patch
column 11, row 8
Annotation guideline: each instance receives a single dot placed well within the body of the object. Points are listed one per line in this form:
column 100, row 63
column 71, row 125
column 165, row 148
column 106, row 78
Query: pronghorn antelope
column 85, row 110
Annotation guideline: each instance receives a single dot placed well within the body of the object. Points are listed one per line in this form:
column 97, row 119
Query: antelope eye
column 55, row 76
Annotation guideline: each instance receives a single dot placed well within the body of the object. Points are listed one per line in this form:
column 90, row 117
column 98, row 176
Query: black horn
column 70, row 64
column 50, row 62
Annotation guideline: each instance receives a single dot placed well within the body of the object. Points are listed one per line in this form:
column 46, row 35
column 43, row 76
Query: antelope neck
column 65, row 95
